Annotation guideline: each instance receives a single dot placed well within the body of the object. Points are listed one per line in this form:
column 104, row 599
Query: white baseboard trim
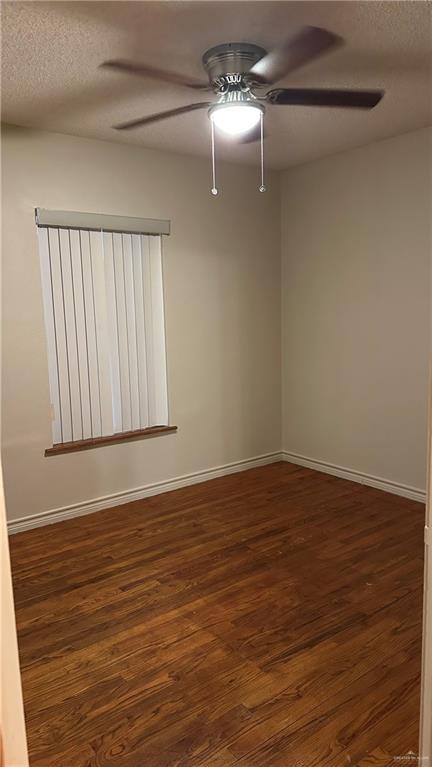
column 414, row 493
column 117, row 499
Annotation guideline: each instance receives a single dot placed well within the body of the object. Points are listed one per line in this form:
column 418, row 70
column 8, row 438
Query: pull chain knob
column 262, row 187
column 214, row 189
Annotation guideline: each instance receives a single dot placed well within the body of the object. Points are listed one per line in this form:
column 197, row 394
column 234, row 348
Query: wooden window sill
column 124, row 436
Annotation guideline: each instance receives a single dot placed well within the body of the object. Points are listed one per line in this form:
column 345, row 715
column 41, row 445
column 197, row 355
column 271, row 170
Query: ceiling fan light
column 235, row 118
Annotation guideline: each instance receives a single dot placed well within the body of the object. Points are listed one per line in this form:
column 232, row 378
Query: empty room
column 216, row 241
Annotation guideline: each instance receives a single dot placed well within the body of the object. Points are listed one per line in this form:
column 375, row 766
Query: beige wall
column 356, row 246
column 222, row 276
column 355, row 298
column 425, row 735
column 12, row 727
column 13, row 742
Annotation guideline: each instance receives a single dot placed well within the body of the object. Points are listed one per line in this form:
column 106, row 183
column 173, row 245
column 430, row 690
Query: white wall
column 356, row 246
column 222, row 276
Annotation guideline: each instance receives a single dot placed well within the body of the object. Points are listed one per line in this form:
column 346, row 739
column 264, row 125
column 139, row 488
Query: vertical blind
column 104, row 318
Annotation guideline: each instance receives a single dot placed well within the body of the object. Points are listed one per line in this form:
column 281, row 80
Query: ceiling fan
column 238, row 73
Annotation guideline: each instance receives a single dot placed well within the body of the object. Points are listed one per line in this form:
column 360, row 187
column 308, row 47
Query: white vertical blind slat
column 93, row 366
column 148, row 326
column 155, row 330
column 131, row 330
column 60, row 324
column 140, row 330
column 112, row 331
column 158, row 313
column 45, row 262
column 102, row 347
column 81, row 332
column 122, row 332
column 71, row 335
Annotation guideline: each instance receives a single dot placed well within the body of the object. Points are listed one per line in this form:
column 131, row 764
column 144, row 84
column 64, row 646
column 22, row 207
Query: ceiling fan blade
column 308, row 44
column 316, row 97
column 161, row 116
column 143, row 70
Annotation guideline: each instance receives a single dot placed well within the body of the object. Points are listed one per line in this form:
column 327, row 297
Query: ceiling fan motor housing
column 227, row 65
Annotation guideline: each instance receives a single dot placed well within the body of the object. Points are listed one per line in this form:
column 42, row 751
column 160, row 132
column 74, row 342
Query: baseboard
column 414, row 493
column 117, row 499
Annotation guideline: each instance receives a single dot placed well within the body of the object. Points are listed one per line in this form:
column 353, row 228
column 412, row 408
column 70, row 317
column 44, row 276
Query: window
column 104, row 319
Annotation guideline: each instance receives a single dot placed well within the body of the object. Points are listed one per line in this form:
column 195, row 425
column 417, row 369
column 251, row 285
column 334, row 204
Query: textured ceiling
column 51, row 52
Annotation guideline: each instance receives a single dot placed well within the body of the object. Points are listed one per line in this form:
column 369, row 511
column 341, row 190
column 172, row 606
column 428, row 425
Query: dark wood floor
column 267, row 619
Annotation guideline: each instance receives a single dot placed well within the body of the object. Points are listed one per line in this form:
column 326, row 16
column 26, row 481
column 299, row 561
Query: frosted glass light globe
column 236, row 118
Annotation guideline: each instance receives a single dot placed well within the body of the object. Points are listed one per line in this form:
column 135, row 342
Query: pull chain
column 214, row 190
column 262, row 187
